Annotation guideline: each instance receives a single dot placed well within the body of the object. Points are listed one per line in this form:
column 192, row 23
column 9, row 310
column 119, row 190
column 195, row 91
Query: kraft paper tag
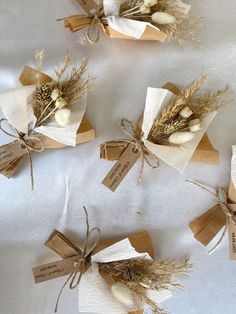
column 56, row 269
column 232, row 234
column 11, row 151
column 206, row 227
column 121, row 168
column 88, row 5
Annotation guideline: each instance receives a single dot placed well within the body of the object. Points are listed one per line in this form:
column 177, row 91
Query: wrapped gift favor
column 113, row 276
column 139, row 20
column 172, row 128
column 44, row 113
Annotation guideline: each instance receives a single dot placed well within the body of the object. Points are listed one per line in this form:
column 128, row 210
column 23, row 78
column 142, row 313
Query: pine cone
column 43, row 93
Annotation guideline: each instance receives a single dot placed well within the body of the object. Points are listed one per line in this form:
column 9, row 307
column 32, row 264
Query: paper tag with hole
column 11, row 151
column 56, row 269
column 121, row 167
column 232, row 234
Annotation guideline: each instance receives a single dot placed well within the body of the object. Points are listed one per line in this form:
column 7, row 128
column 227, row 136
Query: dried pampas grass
column 139, row 275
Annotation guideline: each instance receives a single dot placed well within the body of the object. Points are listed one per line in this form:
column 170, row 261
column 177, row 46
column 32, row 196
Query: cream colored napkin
column 122, row 25
column 16, row 105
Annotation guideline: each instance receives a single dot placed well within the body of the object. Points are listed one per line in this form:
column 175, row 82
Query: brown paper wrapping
column 232, row 193
column 150, row 33
column 85, row 131
column 206, row 227
column 63, row 247
column 204, row 153
column 77, row 22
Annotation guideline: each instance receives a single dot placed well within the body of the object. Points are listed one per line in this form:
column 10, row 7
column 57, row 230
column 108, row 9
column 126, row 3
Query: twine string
column 128, row 128
column 26, row 143
column 221, row 197
column 93, row 32
column 84, row 258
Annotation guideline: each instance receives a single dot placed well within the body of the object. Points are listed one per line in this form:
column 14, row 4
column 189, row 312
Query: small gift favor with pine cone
column 44, row 113
column 172, row 128
column 136, row 19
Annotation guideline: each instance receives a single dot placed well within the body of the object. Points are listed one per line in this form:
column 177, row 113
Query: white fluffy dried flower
column 62, row 116
column 163, row 18
column 122, row 293
column 179, row 138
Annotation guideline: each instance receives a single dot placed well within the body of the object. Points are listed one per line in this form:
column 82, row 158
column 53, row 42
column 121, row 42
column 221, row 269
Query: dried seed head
column 56, row 93
column 150, row 3
column 186, row 113
column 60, row 103
column 194, row 125
column 145, row 9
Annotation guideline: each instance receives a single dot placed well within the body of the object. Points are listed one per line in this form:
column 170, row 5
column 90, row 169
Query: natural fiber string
column 93, row 29
column 222, row 201
column 84, row 257
column 139, row 145
column 25, row 144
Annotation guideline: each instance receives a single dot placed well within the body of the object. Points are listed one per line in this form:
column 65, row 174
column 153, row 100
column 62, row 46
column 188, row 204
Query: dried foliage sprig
column 54, row 100
column 168, row 15
column 139, row 275
column 177, row 123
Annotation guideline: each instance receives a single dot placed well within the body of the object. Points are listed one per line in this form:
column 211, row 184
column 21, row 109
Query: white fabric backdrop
column 164, row 204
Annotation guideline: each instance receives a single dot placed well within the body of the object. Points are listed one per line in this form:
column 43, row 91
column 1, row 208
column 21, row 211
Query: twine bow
column 26, row 143
column 221, row 197
column 139, row 145
column 93, row 32
column 84, row 258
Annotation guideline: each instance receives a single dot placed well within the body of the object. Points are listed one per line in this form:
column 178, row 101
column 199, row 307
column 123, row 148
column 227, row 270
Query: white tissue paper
column 156, row 100
column 233, row 166
column 95, row 295
column 16, row 106
column 122, row 25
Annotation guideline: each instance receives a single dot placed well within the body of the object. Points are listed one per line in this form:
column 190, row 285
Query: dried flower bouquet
column 136, row 19
column 172, row 129
column 118, row 275
column 50, row 113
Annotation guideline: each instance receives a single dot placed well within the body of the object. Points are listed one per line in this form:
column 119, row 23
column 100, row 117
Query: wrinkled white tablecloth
column 164, row 204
